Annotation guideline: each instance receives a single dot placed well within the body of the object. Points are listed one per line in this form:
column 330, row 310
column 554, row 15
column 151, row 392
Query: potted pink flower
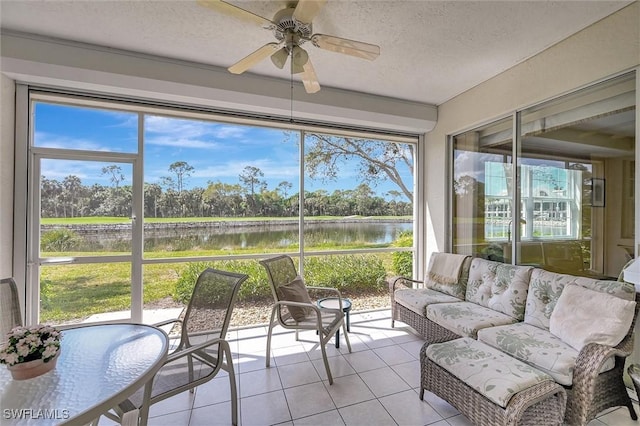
column 31, row 351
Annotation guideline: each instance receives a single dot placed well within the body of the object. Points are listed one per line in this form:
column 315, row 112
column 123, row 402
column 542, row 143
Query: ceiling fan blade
column 235, row 11
column 348, row 47
column 306, row 10
column 247, row 62
column 309, row 78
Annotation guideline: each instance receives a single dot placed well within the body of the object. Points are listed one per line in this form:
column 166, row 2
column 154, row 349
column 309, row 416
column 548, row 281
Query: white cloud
column 49, row 140
column 187, row 129
column 271, row 170
column 182, row 142
column 472, row 164
column 89, row 172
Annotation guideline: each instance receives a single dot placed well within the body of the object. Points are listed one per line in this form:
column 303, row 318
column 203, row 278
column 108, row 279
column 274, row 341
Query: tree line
column 374, row 161
column 250, row 197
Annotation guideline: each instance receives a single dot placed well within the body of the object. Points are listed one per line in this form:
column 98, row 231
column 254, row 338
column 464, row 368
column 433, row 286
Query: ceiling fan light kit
column 292, row 27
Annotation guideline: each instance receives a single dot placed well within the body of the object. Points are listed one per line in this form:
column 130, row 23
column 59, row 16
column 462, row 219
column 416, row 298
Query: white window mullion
column 137, row 225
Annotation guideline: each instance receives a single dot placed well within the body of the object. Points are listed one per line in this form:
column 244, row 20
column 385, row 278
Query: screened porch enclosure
column 134, row 201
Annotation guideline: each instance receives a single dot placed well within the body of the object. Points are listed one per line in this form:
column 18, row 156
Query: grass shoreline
column 103, row 220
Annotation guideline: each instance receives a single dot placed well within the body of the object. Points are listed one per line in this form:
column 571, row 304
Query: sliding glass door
column 574, row 176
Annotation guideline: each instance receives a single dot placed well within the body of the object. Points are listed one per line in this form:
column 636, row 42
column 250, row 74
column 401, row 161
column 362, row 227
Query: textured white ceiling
column 431, row 51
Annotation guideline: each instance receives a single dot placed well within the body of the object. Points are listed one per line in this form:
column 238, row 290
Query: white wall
column 7, row 109
column 83, row 67
column 610, row 46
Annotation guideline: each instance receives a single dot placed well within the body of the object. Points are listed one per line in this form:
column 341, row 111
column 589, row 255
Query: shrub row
column 403, row 260
column 354, row 273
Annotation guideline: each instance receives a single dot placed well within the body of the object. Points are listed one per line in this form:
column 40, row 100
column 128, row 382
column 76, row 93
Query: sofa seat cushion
column 498, row 286
column 417, row 299
column 538, row 348
column 466, row 318
column 490, row 372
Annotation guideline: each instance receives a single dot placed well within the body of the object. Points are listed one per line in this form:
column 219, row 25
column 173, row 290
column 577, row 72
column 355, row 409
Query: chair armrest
column 191, row 349
column 329, row 290
column 317, row 310
column 166, row 322
column 396, row 283
column 590, row 361
column 286, row 303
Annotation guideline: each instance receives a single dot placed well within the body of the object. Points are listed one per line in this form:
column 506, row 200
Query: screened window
column 135, row 200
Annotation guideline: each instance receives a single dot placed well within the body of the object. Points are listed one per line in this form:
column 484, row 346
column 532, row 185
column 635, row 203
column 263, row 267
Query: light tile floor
column 376, row 384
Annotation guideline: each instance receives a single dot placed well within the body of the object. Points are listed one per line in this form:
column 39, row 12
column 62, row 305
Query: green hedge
column 354, row 273
column 403, row 260
column 255, row 287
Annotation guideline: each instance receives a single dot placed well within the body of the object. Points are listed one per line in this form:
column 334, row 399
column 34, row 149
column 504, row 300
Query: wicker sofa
column 511, row 308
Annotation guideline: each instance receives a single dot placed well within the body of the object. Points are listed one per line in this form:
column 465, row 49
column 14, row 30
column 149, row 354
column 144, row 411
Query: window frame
column 27, row 263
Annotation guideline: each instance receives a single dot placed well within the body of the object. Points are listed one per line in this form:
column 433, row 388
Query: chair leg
column 190, row 366
column 632, row 412
column 326, row 361
column 146, row 401
column 273, row 316
column 232, row 384
column 393, row 314
column 346, row 336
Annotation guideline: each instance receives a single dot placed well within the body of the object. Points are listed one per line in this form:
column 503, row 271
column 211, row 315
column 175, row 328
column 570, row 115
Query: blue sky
column 216, row 151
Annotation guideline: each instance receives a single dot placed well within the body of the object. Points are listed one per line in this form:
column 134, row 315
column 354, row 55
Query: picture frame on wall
column 597, row 192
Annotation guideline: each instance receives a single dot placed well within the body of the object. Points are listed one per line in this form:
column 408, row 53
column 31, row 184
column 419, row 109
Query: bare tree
column 182, row 170
column 378, row 160
column 250, row 177
column 115, row 173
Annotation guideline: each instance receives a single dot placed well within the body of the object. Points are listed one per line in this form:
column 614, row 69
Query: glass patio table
column 99, row 367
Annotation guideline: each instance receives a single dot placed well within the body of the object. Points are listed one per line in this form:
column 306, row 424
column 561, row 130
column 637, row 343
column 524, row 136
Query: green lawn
column 72, row 292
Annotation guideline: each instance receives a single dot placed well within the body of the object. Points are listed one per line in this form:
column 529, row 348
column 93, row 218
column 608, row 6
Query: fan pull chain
column 291, row 88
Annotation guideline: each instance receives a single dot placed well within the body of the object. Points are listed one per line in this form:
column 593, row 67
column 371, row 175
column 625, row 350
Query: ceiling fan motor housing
column 286, row 24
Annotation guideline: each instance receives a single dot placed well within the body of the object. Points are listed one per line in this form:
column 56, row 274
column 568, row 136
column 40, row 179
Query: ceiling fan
column 292, row 27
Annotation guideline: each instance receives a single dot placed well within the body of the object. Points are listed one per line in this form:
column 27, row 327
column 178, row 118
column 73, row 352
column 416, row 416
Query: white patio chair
column 294, row 310
column 202, row 350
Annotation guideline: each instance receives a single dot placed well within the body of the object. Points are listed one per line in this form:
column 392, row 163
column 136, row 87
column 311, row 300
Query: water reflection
column 274, row 236
column 220, row 236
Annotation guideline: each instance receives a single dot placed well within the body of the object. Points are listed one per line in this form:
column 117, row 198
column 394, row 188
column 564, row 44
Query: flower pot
column 31, row 369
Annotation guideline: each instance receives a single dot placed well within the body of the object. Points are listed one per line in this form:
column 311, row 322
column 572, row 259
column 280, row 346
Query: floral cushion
column 418, row 299
column 545, row 289
column 490, row 372
column 456, row 289
column 499, row 286
column 536, row 347
column 466, row 318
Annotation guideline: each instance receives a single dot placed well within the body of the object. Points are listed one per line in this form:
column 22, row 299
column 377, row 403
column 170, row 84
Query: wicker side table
column 541, row 404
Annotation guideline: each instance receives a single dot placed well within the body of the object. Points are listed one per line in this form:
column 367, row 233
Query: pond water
column 274, row 236
column 228, row 236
